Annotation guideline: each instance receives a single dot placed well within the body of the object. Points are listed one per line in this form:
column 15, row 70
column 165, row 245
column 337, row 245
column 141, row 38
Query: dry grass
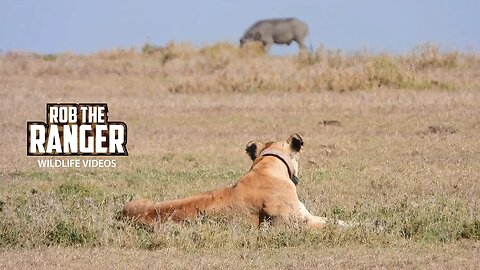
column 181, row 68
column 407, row 159
column 458, row 256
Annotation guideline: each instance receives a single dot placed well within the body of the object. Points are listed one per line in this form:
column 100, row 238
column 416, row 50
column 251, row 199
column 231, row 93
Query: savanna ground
column 389, row 139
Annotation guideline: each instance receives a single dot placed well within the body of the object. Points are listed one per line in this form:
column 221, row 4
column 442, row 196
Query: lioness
column 267, row 192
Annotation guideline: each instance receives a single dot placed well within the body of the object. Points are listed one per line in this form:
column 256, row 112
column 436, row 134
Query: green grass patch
column 69, row 234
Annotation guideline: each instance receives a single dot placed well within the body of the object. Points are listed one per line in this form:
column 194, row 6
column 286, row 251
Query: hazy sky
column 51, row 26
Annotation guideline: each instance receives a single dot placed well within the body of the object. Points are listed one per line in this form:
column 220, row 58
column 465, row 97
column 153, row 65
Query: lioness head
column 291, row 147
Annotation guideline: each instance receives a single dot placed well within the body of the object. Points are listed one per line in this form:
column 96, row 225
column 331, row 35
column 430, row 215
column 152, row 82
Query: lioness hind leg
column 140, row 211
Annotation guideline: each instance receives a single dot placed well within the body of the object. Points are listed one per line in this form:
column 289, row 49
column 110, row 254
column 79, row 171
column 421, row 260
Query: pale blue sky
column 52, row 26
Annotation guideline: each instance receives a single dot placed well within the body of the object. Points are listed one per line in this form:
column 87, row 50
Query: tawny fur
column 265, row 192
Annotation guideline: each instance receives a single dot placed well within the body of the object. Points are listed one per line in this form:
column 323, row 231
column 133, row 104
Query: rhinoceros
column 277, row 31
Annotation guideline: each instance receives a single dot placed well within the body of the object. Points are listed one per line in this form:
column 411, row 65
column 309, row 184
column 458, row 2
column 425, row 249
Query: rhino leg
column 266, row 46
column 301, row 44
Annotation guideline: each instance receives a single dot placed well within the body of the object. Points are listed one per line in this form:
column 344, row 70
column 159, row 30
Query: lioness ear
column 252, row 149
column 296, row 142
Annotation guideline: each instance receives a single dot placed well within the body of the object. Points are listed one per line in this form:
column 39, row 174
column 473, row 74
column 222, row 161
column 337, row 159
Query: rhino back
column 282, row 30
